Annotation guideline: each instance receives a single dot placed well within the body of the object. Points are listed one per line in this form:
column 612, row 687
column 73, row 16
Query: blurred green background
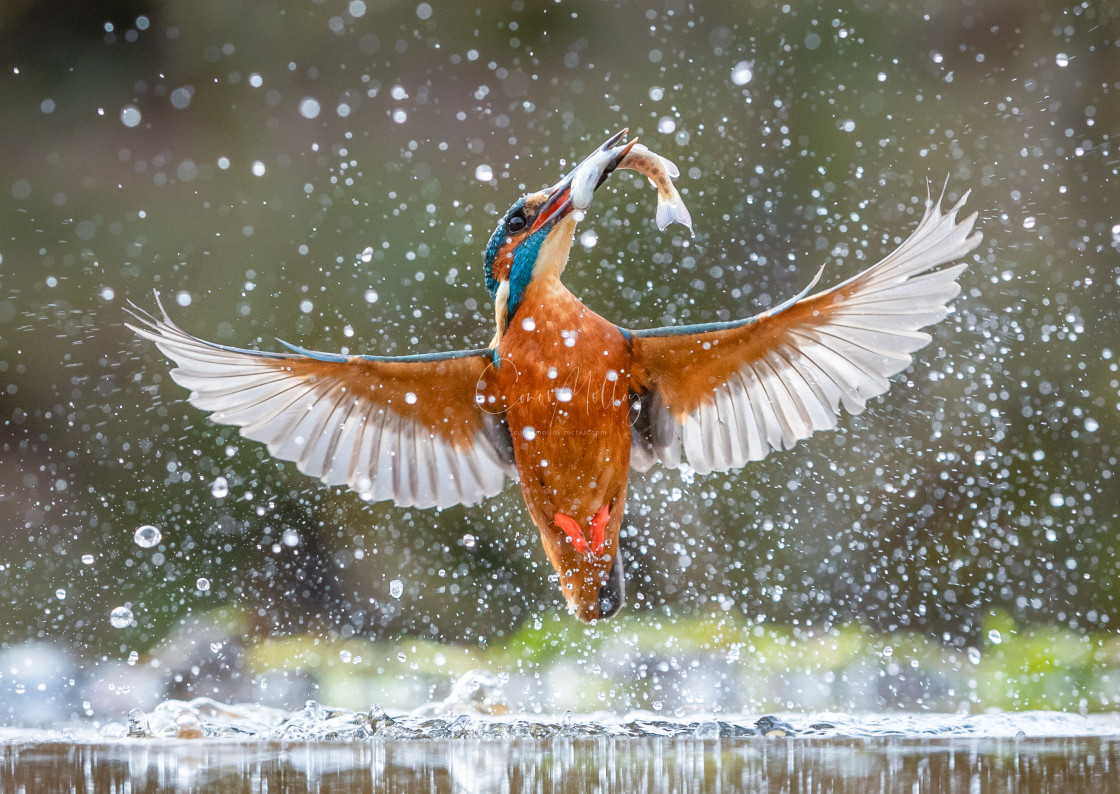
column 327, row 172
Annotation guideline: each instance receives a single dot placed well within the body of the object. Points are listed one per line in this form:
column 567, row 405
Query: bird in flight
column 565, row 402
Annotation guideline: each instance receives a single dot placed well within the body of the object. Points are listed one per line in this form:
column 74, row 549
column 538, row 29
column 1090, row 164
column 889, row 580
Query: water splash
column 206, row 718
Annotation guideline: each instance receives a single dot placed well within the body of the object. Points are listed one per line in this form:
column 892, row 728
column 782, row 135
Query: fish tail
column 671, row 209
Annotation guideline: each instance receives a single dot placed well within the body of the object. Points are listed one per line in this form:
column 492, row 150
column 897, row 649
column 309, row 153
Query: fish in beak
column 574, row 192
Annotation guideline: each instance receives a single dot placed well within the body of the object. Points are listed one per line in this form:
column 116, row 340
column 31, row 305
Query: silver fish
column 633, row 156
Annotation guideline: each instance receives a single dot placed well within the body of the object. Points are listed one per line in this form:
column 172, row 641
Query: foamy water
column 203, row 718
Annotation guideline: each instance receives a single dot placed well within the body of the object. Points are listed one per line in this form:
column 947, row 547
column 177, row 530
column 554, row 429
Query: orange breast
column 565, row 382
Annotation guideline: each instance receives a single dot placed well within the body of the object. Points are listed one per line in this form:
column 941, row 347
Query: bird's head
column 534, row 236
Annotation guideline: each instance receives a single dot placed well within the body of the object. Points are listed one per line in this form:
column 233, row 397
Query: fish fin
column 670, row 167
column 672, row 211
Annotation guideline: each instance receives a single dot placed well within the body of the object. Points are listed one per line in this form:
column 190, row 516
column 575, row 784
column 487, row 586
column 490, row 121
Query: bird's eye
column 515, row 224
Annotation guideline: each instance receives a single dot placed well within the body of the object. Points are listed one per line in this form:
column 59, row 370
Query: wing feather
column 731, row 392
column 358, row 421
column 729, row 416
column 327, row 446
column 363, row 475
column 748, row 419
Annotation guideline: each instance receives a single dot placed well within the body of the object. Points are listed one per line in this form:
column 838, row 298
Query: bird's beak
column 574, row 191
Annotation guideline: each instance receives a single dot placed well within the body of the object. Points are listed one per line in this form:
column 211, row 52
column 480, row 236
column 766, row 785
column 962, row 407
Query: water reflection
column 560, row 765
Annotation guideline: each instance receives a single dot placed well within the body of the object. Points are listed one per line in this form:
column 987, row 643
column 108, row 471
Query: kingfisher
column 567, row 403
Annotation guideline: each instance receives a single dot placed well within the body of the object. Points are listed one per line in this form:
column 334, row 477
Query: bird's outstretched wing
column 407, row 429
column 728, row 393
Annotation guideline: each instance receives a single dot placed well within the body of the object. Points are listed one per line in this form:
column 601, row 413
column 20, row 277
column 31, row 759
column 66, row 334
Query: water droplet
column 410, row 397
column 470, row 541
column 848, row 125
column 345, row 656
column 130, row 116
column 309, row 107
column 994, row 637
column 87, row 559
column 588, row 239
column 290, row 538
column 666, row 125
column 396, row 588
column 145, row 537
column 974, row 655
column 120, row 617
column 203, row 584
column 529, row 432
column 257, row 168
column 564, row 394
column 60, row 594
column 528, row 324
column 484, row 173
column 1057, row 500
column 742, row 73
column 219, row 489
column 367, row 257
column 181, row 97
column 1062, row 60
column 1029, row 222
column 133, row 657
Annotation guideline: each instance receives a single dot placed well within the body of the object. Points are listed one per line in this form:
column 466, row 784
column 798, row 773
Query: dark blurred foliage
column 983, row 481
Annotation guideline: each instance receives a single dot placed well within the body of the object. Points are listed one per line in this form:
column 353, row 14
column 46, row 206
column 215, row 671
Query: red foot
column 599, row 529
column 572, row 530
